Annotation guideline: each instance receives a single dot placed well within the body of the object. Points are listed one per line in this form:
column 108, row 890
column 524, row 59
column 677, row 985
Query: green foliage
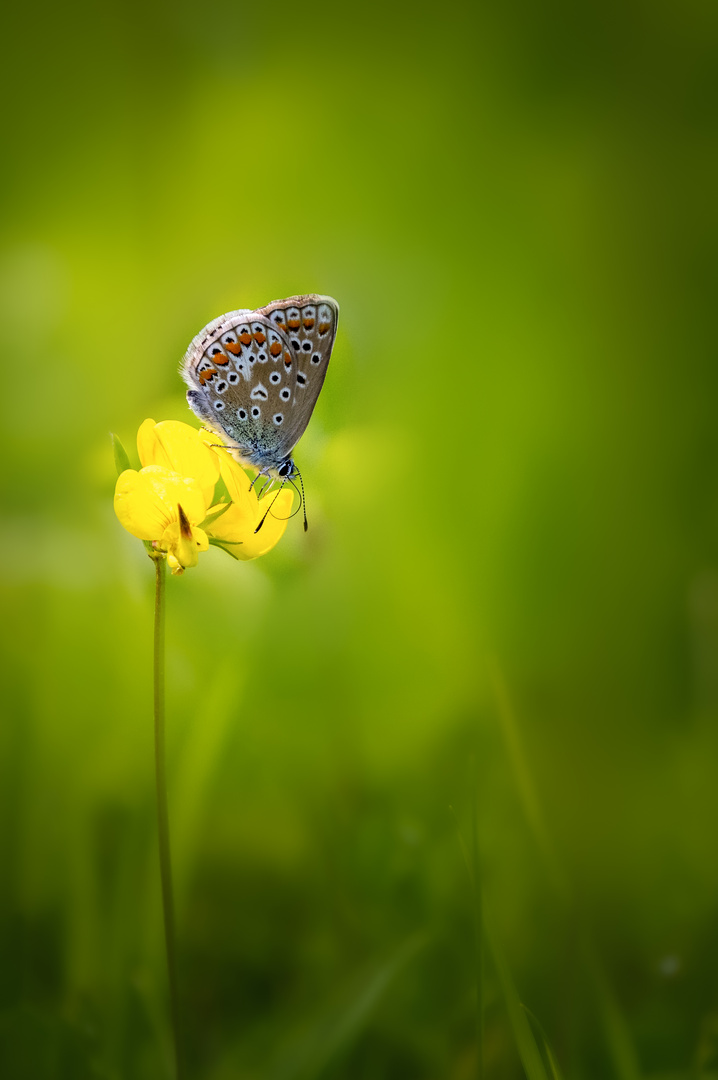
column 515, row 455
column 122, row 461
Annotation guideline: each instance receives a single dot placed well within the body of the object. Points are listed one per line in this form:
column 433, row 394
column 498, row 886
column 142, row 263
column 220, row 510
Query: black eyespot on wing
column 307, row 346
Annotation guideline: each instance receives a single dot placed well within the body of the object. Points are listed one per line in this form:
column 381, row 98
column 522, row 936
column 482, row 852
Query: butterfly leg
column 267, row 476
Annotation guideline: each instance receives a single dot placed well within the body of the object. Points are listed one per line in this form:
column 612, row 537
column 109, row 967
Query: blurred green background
column 507, row 600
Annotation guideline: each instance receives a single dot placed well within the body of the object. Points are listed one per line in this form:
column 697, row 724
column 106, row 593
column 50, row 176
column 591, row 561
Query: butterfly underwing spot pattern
column 254, row 377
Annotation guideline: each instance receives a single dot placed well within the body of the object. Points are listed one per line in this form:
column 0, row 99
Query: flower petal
column 146, row 501
column 179, row 448
column 183, row 550
column 238, row 484
column 234, row 530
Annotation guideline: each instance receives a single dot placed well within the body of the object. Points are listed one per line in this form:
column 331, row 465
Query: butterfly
column 254, row 377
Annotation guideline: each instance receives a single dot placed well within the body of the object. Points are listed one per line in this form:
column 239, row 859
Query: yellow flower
column 165, row 508
column 169, row 502
column 179, row 448
column 247, row 512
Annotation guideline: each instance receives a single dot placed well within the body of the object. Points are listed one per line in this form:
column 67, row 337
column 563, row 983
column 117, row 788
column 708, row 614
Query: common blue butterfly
column 254, row 377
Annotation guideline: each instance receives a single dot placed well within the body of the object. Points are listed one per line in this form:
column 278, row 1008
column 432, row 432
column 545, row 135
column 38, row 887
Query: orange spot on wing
column 287, row 360
column 282, row 325
column 260, row 338
column 245, row 338
column 234, row 347
column 294, row 324
column 308, row 324
column 220, row 358
column 275, row 348
column 323, row 327
column 206, row 375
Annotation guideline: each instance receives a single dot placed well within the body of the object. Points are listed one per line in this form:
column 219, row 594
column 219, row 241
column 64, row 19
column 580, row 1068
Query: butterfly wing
column 239, row 370
column 254, row 376
column 310, row 325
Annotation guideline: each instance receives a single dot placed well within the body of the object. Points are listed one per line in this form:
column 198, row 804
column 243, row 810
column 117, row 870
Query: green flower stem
column 163, row 827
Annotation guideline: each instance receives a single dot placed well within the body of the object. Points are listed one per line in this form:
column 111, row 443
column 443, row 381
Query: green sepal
column 213, row 517
column 226, row 545
column 122, row 461
column 221, row 491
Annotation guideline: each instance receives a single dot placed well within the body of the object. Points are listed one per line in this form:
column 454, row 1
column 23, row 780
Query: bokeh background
column 505, row 612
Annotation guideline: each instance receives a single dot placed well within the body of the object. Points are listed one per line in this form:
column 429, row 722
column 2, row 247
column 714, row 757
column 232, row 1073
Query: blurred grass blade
column 340, row 1025
column 524, row 780
column 623, row 1054
column 477, row 886
column 473, row 869
column 526, row 1044
column 618, row 1037
column 546, row 1051
column 122, row 461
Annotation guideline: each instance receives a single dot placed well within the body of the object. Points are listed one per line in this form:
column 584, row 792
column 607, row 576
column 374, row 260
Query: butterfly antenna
column 299, row 505
column 304, row 501
column 264, row 515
